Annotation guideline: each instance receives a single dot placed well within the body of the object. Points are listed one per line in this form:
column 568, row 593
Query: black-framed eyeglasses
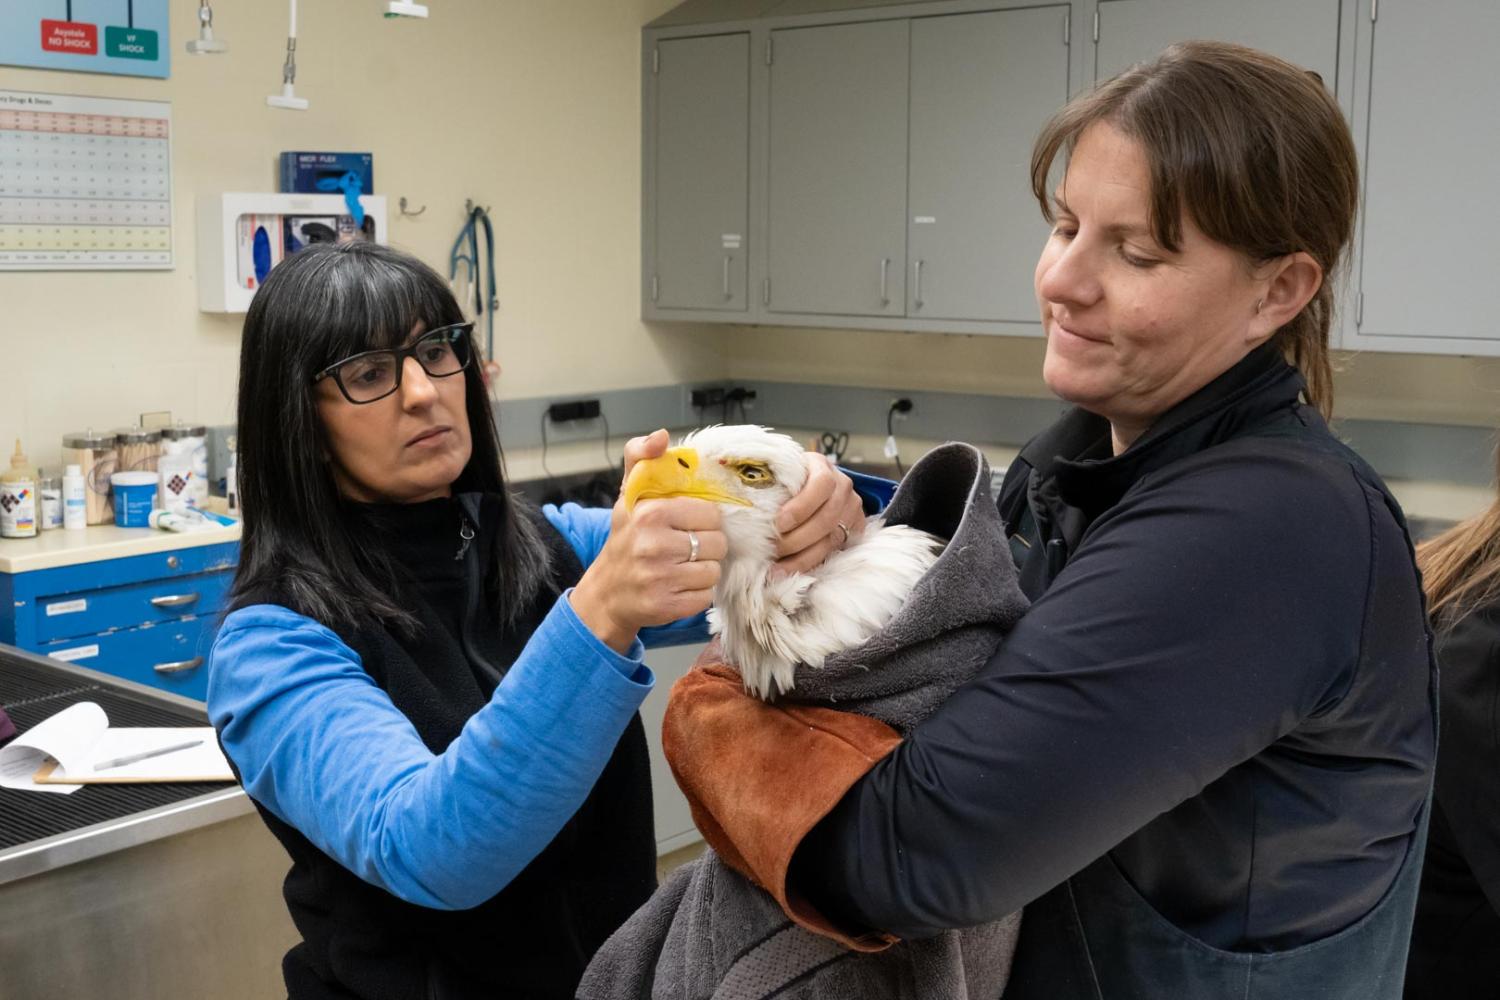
column 373, row 375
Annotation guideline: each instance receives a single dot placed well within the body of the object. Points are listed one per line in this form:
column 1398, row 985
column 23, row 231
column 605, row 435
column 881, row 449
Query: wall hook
column 410, row 215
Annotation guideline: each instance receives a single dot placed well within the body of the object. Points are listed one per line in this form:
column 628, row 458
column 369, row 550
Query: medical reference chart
column 85, row 183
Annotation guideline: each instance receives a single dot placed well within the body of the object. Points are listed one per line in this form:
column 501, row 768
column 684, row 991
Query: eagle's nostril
column 683, row 462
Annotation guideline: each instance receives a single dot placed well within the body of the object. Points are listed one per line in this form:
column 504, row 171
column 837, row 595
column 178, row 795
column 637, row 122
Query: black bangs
column 374, row 301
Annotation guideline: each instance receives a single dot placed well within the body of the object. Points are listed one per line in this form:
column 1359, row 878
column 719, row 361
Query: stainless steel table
column 145, row 891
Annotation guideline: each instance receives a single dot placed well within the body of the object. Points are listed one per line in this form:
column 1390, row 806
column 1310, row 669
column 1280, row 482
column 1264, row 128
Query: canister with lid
column 95, row 455
column 183, row 466
column 138, row 449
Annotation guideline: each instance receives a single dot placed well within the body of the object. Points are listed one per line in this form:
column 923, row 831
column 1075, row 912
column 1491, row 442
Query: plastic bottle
column 180, row 519
column 75, row 499
column 49, row 489
column 18, row 499
column 232, row 479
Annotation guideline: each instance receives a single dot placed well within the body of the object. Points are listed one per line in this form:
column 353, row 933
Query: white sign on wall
column 85, row 183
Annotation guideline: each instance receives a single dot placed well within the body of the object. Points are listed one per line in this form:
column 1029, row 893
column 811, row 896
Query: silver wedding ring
column 845, row 527
column 692, row 547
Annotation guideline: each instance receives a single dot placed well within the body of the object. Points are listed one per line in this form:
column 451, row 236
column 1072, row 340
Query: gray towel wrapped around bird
column 708, row 932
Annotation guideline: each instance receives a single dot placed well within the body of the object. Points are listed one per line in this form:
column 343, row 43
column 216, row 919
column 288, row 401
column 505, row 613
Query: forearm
column 471, row 818
column 1137, row 681
column 331, row 755
column 956, row 829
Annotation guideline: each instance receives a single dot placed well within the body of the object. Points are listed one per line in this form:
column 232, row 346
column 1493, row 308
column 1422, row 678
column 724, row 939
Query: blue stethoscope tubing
column 469, row 233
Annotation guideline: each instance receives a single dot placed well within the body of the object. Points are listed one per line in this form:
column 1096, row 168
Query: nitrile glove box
column 301, row 171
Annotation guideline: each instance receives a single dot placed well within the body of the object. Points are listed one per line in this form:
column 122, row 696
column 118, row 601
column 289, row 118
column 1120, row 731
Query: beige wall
column 529, row 106
column 1411, row 387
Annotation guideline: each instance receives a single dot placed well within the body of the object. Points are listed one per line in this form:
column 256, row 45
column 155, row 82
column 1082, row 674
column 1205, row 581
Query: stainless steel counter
column 178, row 899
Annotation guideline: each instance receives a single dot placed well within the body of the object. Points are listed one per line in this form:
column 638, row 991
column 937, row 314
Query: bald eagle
column 768, row 625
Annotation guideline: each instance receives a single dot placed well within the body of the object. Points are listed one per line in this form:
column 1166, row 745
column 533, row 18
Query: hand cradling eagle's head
column 769, row 625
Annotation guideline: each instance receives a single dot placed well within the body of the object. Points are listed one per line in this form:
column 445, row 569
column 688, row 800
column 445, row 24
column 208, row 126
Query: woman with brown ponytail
column 1201, row 762
column 1455, row 947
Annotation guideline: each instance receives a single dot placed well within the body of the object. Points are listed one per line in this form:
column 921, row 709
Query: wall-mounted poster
column 85, row 183
column 127, row 37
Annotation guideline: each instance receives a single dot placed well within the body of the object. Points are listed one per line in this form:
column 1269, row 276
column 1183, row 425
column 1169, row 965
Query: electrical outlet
column 578, row 409
column 701, row 398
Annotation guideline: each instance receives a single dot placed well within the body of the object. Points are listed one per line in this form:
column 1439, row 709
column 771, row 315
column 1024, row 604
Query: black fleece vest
column 1097, row 936
column 533, row 939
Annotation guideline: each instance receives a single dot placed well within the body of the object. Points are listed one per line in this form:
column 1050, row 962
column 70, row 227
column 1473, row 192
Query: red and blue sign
column 127, row 37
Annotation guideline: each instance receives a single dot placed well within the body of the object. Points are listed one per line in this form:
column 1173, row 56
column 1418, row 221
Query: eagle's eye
column 753, row 474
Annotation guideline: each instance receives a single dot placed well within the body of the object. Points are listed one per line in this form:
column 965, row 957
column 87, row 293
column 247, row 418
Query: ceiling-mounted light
column 206, row 44
column 288, row 97
column 397, row 8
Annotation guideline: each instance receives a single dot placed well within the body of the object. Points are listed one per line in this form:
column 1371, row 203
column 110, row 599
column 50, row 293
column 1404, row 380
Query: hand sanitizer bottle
column 75, row 500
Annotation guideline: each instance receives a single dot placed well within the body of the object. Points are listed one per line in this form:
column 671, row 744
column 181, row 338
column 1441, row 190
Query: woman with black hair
column 428, row 687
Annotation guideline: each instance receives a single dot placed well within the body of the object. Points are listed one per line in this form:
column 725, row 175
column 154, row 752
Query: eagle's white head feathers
column 770, row 625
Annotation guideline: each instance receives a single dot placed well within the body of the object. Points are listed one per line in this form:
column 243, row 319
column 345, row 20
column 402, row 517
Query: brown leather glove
column 758, row 777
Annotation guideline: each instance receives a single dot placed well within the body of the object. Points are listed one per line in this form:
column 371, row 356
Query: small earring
column 1258, row 304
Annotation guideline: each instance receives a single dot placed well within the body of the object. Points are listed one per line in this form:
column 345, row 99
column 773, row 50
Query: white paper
column 204, row 762
column 71, row 731
column 79, row 737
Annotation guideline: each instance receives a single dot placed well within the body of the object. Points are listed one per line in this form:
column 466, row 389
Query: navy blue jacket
column 1223, row 687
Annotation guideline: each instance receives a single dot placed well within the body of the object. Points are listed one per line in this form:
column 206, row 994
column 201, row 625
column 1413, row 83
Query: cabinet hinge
column 1359, row 309
column 655, row 61
column 655, row 288
column 1374, row 10
column 1096, row 27
column 1068, row 28
column 765, row 292
column 770, row 50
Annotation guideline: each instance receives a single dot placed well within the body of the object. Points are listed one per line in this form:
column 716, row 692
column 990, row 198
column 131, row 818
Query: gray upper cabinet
column 836, row 179
column 1429, row 256
column 982, row 85
column 1305, row 32
column 864, row 163
column 698, row 207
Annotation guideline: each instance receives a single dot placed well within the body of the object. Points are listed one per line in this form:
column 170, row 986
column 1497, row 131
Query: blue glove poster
column 126, row 37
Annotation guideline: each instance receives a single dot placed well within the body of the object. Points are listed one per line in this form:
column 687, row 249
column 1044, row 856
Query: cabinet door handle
column 885, row 274
column 728, row 293
column 173, row 600
column 916, row 297
column 180, row 667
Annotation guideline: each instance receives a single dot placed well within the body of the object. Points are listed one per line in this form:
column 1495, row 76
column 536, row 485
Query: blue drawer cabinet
column 173, row 657
column 148, row 618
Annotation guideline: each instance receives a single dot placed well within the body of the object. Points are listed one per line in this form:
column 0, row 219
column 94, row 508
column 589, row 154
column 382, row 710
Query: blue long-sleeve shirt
column 323, row 748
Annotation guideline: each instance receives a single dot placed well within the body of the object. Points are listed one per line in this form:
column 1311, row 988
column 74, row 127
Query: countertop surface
column 60, row 547
column 1431, row 501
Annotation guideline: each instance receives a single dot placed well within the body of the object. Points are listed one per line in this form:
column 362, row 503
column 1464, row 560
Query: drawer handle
column 173, row 600
column 180, row 667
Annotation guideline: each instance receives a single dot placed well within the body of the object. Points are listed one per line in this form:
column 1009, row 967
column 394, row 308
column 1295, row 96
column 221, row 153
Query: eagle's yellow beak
column 674, row 474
